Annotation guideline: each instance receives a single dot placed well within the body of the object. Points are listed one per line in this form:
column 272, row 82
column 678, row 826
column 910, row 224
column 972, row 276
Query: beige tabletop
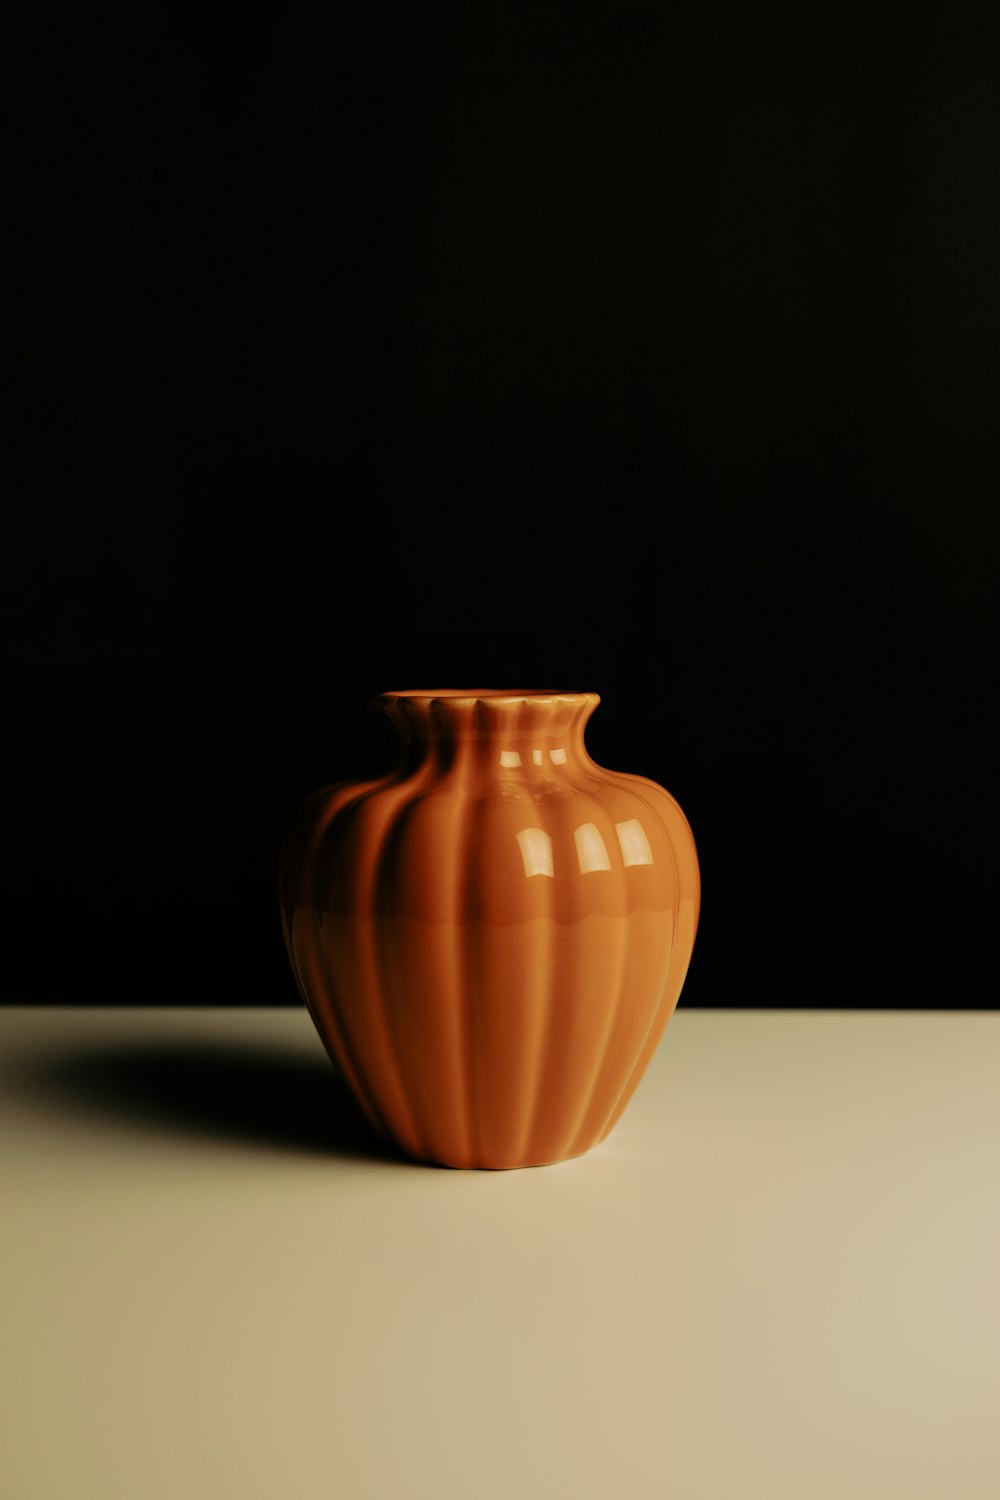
column 778, row 1278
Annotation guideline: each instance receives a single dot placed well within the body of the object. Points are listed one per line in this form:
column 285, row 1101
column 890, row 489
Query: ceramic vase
column 491, row 939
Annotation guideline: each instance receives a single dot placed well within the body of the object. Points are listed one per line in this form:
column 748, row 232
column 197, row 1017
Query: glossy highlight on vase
column 492, row 938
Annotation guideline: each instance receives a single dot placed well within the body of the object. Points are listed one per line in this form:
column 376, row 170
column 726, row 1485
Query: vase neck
column 493, row 732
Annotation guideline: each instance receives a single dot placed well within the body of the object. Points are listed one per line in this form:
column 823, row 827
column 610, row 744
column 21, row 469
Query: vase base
column 530, row 1164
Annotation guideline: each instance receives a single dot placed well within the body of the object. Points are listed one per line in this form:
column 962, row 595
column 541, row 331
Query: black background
column 615, row 348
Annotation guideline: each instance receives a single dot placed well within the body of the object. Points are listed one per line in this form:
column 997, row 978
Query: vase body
column 491, row 939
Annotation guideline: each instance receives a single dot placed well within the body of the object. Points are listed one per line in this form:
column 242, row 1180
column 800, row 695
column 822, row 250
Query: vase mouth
column 487, row 695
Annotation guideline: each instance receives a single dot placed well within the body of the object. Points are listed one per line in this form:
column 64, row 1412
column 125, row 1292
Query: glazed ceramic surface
column 492, row 939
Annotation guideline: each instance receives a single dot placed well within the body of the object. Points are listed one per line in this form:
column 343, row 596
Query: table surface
column 778, row 1277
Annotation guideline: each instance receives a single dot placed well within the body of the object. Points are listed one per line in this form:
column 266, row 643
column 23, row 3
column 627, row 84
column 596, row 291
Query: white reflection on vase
column 510, row 758
column 536, row 851
column 634, row 843
column 591, row 850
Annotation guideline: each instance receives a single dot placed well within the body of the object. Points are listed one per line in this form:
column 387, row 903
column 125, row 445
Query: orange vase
column 492, row 939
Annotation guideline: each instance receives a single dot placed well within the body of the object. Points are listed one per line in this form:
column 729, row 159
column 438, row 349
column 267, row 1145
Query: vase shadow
column 237, row 1092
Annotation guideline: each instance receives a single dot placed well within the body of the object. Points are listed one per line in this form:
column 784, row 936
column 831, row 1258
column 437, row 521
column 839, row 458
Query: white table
column 779, row 1277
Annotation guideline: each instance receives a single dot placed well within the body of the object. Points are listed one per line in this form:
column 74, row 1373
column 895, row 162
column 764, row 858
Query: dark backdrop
column 563, row 346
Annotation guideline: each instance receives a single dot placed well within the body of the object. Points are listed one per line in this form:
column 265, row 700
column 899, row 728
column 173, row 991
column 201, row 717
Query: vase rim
column 487, row 695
